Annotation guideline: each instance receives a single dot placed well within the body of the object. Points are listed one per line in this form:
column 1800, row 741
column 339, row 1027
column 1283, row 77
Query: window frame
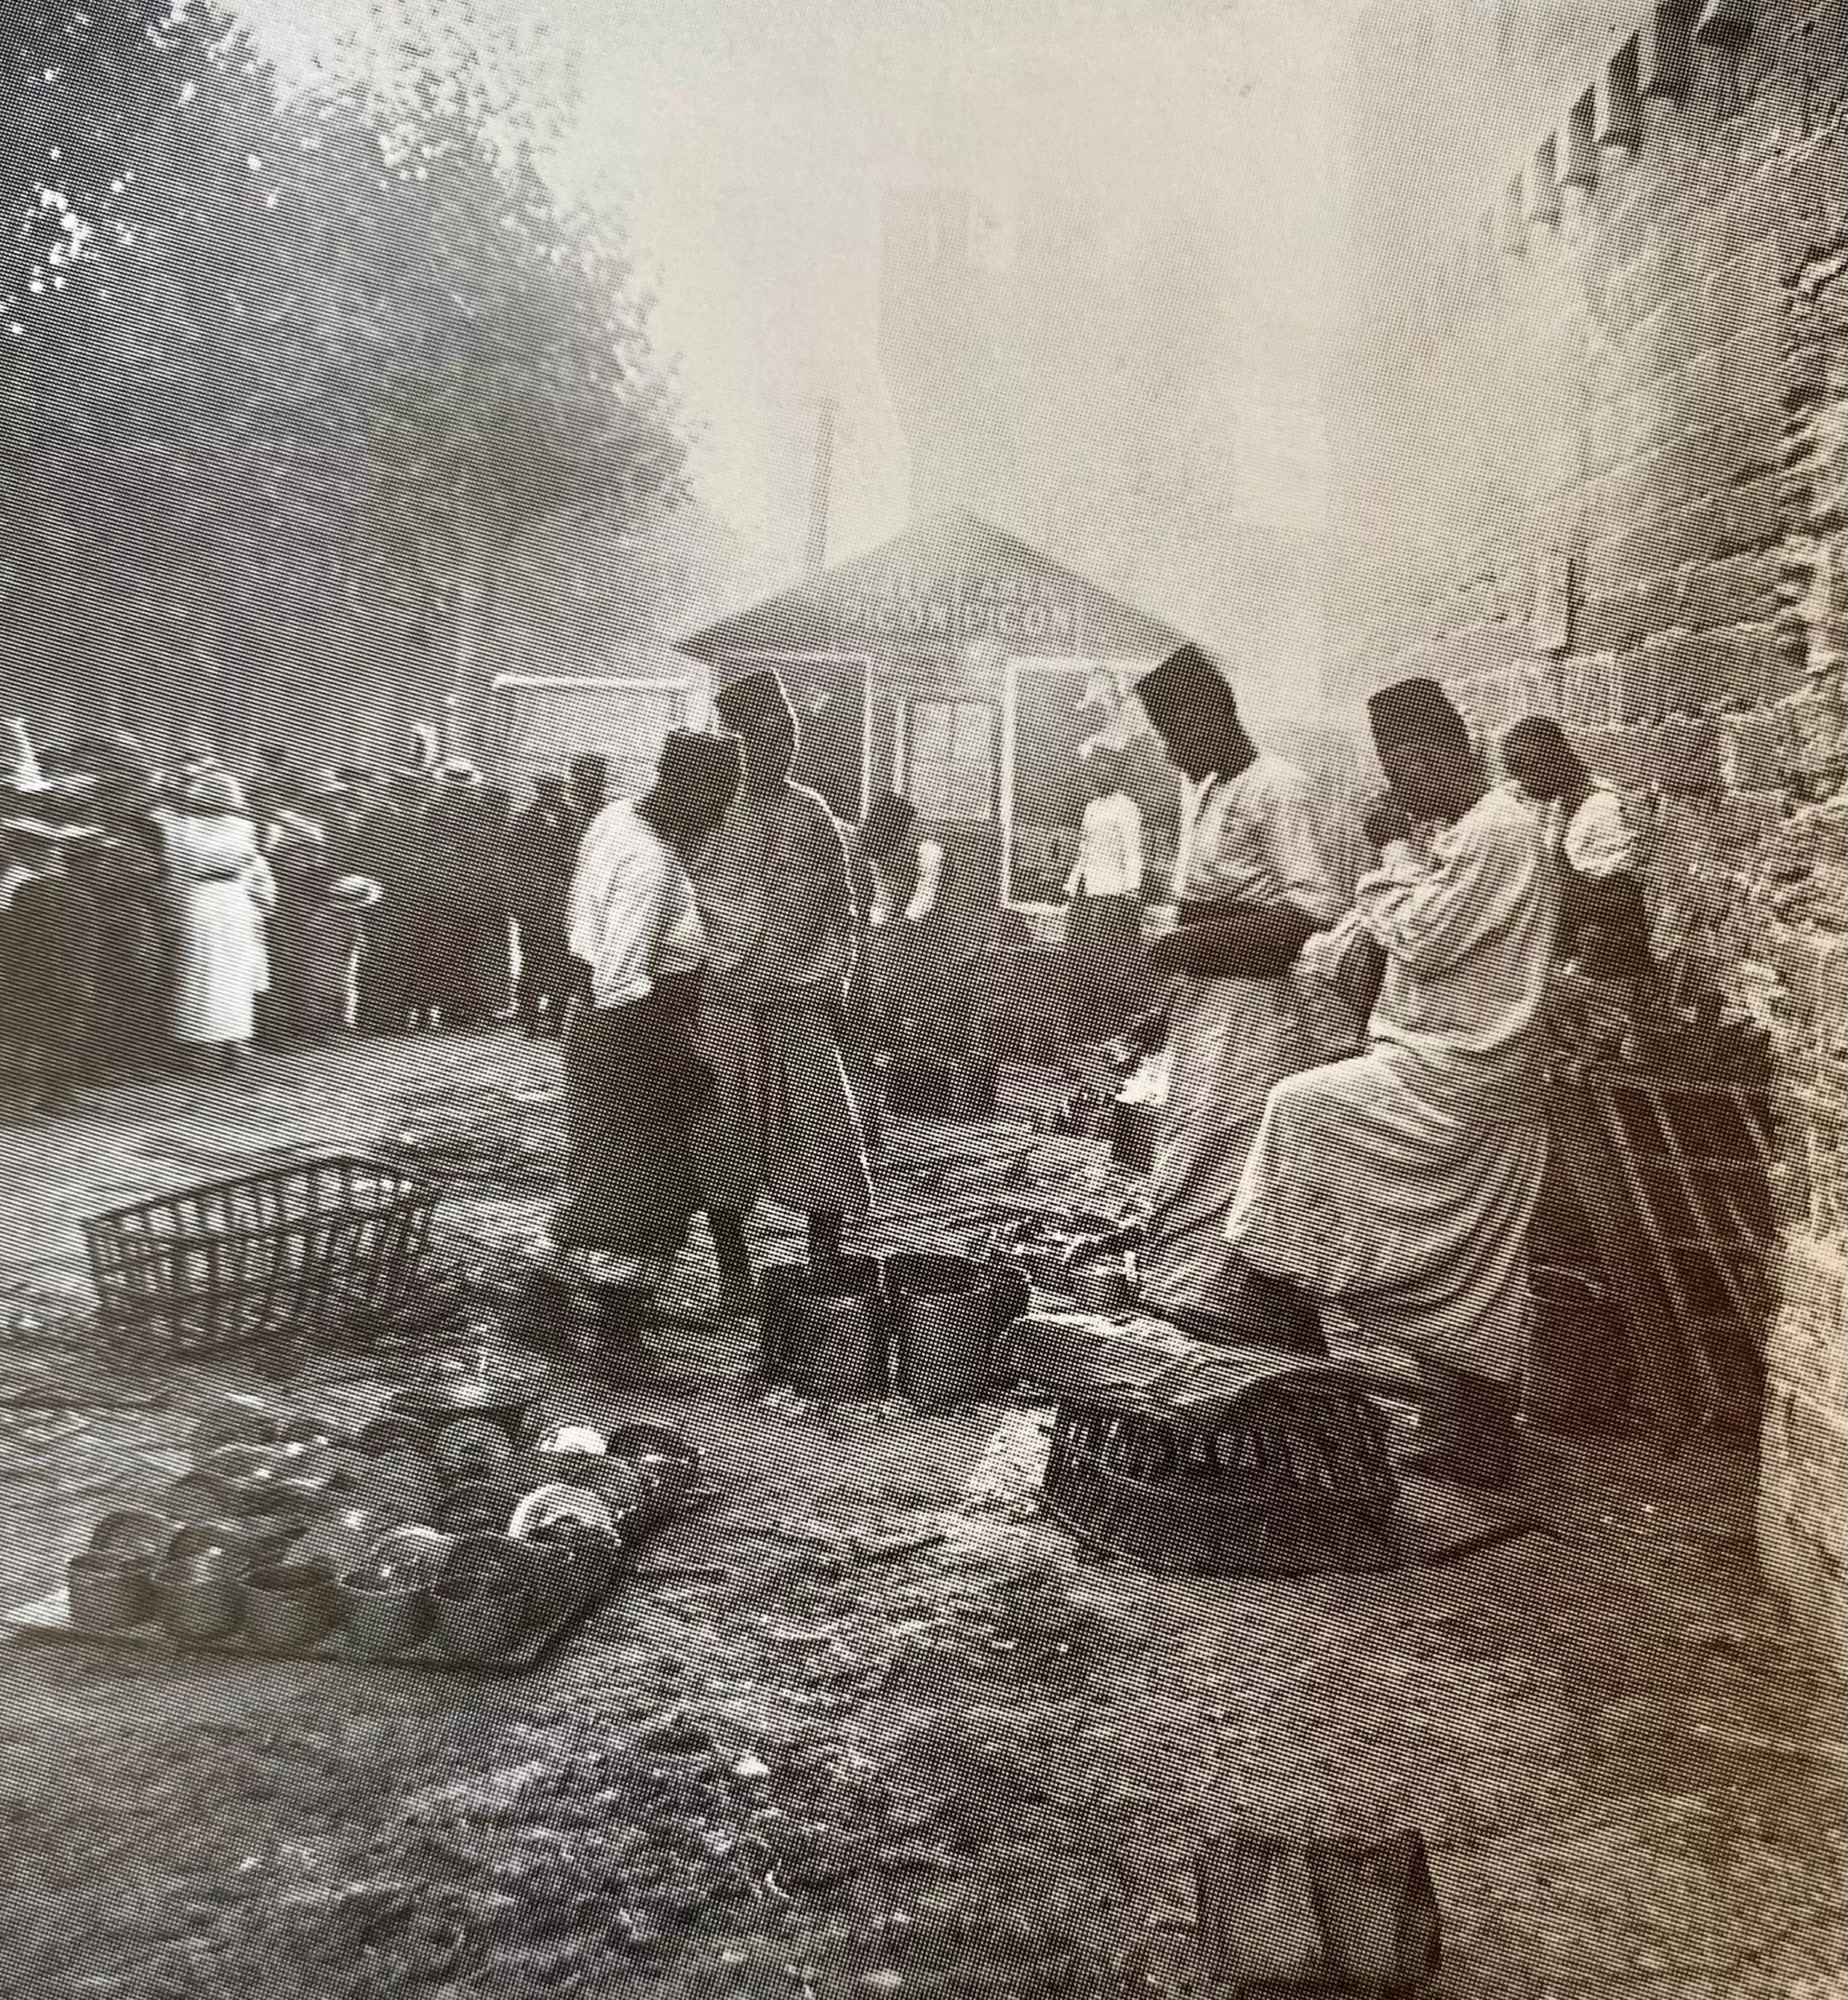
column 905, row 740
column 1126, row 667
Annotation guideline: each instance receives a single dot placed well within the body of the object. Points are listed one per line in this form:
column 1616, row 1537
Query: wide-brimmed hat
column 291, row 825
column 24, row 827
column 356, row 892
column 18, row 763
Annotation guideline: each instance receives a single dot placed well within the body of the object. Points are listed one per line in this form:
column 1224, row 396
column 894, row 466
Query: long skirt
column 1403, row 1202
column 781, row 1120
column 221, row 964
column 311, row 966
column 630, row 1188
column 1230, row 1040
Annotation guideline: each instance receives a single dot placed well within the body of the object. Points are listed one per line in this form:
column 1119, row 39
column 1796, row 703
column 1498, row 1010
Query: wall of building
column 1591, row 462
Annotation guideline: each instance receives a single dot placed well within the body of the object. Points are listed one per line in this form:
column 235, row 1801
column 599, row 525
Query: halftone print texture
column 994, row 1338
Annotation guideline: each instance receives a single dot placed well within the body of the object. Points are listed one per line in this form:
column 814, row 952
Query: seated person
column 1603, row 917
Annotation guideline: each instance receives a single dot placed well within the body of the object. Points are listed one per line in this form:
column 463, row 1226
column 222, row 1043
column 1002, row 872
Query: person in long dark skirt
column 124, row 869
column 490, row 824
column 48, row 961
column 542, row 860
column 453, row 830
column 633, row 1075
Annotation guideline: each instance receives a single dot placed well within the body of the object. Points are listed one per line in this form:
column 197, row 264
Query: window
column 949, row 759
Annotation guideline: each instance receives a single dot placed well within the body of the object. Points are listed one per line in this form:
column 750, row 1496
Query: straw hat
column 44, row 830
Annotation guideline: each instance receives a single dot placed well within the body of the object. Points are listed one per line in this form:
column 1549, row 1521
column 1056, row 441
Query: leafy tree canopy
column 284, row 370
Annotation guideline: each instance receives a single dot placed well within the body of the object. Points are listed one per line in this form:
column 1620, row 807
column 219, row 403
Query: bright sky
column 750, row 147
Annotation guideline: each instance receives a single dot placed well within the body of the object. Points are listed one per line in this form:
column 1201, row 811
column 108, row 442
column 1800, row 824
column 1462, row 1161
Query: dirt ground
column 868, row 1723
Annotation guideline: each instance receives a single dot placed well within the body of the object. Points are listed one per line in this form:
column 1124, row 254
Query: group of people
column 733, row 934
column 133, row 914
column 1356, row 1132
column 1354, row 1138
column 1354, row 1135
column 150, row 919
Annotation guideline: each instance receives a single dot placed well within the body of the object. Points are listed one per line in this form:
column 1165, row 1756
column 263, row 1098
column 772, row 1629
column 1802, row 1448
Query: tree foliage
column 282, row 375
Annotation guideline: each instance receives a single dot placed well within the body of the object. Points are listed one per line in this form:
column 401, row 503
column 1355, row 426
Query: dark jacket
column 49, row 961
column 542, row 858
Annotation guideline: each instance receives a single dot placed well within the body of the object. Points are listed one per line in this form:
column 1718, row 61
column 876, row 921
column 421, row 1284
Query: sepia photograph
column 924, row 999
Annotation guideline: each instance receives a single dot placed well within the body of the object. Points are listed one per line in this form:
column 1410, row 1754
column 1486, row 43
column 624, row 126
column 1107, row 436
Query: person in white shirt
column 1104, row 929
column 1396, row 1189
column 1251, row 884
column 1604, row 914
column 633, row 1077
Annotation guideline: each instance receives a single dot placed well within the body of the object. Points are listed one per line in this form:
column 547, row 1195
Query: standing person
column 385, row 849
column 882, row 864
column 590, row 787
column 1103, row 930
column 1395, row 1190
column 490, row 825
column 779, row 907
column 125, row 870
column 308, row 972
column 1603, row 914
column 222, row 889
column 542, row 860
column 450, row 891
column 633, row 1075
column 390, row 849
column 48, row 958
column 1252, row 887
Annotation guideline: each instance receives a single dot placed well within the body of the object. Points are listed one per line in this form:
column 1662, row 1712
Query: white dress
column 1398, row 1187
column 1251, row 838
column 222, row 887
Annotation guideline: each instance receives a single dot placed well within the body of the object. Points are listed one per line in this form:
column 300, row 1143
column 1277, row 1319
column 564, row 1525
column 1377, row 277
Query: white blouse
column 634, row 920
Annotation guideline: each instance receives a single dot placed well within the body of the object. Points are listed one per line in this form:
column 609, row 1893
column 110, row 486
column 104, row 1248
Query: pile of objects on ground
column 458, row 1526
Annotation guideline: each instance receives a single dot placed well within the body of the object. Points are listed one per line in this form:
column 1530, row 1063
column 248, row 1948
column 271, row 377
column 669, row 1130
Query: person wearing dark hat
column 542, row 859
column 49, row 966
column 633, row 1074
column 778, row 904
column 385, row 846
column 457, row 894
column 1395, row 1190
column 1603, row 913
column 307, row 972
column 1252, row 885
